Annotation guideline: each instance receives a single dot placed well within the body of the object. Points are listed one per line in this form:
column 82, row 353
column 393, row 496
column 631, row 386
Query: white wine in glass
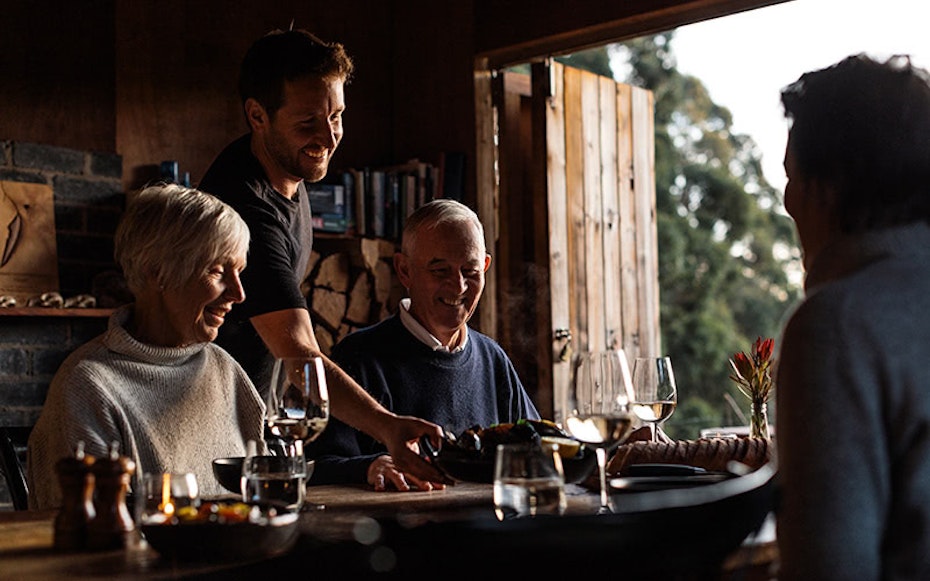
column 655, row 394
column 298, row 400
column 598, row 412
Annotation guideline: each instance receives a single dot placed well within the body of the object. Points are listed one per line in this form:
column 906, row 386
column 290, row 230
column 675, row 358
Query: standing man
column 853, row 403
column 291, row 85
column 425, row 361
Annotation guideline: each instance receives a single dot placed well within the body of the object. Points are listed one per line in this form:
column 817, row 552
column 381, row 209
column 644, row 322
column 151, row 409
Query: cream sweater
column 170, row 409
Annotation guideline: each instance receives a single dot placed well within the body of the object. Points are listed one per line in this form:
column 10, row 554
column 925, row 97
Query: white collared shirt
column 425, row 337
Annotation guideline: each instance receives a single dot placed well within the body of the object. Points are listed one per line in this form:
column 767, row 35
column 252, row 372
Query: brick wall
column 88, row 197
column 89, row 201
column 31, row 349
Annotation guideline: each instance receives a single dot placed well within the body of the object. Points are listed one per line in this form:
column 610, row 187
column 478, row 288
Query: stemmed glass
column 297, row 409
column 598, row 411
column 298, row 401
column 655, row 394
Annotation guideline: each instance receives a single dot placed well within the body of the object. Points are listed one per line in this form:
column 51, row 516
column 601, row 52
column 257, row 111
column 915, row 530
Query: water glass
column 528, row 481
column 275, row 481
column 165, row 496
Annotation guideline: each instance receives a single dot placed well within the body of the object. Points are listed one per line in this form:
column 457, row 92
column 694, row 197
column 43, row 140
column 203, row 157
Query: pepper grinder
column 112, row 524
column 77, row 495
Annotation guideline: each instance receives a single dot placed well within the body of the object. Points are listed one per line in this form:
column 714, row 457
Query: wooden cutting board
column 28, row 250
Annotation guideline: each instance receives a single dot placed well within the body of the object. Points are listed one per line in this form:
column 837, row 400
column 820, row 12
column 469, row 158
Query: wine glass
column 598, row 411
column 296, row 413
column 298, row 401
column 655, row 394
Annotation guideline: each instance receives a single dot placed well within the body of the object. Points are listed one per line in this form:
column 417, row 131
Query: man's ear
column 255, row 114
column 402, row 268
column 487, row 262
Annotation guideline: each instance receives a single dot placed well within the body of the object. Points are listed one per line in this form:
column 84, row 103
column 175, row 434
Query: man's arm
column 289, row 333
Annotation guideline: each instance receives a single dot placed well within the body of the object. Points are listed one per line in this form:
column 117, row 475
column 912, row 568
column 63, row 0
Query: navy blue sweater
column 477, row 386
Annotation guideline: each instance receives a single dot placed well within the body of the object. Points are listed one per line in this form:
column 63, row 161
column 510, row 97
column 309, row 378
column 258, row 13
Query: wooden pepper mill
column 77, row 495
column 112, row 524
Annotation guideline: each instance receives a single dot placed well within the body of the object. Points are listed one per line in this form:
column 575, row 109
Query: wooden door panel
column 585, row 169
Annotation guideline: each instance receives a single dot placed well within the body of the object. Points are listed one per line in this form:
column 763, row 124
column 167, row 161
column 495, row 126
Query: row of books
column 375, row 202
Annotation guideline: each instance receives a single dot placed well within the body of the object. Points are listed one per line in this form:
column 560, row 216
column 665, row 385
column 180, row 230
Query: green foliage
column 692, row 415
column 725, row 246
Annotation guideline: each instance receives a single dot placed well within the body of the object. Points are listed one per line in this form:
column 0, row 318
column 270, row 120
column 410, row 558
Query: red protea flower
column 753, row 372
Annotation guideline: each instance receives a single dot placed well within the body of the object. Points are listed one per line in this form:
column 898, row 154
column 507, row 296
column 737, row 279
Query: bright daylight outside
column 729, row 262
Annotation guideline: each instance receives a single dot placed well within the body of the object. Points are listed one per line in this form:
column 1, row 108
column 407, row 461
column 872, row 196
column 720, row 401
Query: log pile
column 351, row 284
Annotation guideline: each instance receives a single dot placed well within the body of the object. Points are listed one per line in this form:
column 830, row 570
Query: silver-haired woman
column 154, row 382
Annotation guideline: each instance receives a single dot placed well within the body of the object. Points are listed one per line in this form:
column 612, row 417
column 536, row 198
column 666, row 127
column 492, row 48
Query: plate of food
column 469, row 456
column 221, row 530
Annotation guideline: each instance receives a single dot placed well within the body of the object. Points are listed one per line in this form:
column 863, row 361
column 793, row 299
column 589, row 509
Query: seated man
column 425, row 361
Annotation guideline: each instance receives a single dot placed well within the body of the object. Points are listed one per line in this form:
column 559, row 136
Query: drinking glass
column 655, row 394
column 275, row 481
column 528, row 480
column 165, row 496
column 298, row 401
column 598, row 411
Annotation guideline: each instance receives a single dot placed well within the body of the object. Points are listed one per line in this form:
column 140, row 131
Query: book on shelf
column 328, row 207
column 378, row 200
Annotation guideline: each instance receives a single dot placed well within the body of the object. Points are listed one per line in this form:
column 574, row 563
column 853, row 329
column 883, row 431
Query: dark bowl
column 212, row 541
column 472, row 468
column 228, row 472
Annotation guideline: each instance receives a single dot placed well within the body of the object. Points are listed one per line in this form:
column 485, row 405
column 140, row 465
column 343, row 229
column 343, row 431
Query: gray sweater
column 854, row 413
column 170, row 409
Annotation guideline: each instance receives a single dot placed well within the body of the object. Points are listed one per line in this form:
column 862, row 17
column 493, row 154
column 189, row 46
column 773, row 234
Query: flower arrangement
column 752, row 373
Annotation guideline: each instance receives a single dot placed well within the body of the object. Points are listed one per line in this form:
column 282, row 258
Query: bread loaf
column 707, row 453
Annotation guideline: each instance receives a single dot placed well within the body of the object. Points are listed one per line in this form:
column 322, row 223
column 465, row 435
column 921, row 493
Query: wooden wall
column 57, row 82
column 157, row 80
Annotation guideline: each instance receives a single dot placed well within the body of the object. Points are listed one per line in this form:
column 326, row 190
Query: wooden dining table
column 409, row 533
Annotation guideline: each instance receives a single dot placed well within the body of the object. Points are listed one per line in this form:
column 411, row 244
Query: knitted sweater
column 477, row 386
column 170, row 410
column 854, row 413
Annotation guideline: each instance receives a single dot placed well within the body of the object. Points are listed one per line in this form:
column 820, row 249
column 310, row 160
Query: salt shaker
column 112, row 524
column 77, row 493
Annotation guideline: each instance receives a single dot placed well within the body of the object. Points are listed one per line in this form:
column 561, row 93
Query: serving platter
column 461, row 467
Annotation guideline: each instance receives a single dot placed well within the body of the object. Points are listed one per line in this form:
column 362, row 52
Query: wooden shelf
column 52, row 312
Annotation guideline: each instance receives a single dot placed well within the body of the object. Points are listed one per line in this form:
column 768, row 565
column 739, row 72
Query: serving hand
column 401, row 442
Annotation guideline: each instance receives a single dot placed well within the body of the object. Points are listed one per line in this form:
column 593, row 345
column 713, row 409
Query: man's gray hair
column 174, row 234
column 435, row 213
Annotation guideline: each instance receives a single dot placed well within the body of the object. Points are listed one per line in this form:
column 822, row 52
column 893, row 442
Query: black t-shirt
column 279, row 253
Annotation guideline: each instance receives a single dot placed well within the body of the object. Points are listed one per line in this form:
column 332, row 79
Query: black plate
column 460, row 467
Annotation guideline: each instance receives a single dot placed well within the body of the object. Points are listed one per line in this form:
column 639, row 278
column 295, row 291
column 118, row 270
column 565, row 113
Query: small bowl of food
column 216, row 531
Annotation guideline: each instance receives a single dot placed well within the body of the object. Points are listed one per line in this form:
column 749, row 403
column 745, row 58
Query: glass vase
column 759, row 420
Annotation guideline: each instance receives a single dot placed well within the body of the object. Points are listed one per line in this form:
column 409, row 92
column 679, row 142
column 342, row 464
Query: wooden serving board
column 28, row 250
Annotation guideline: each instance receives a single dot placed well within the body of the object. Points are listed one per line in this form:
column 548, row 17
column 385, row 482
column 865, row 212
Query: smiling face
column 299, row 139
column 443, row 272
column 194, row 312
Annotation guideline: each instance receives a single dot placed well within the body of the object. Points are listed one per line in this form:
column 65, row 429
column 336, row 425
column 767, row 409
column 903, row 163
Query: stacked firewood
column 351, row 284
